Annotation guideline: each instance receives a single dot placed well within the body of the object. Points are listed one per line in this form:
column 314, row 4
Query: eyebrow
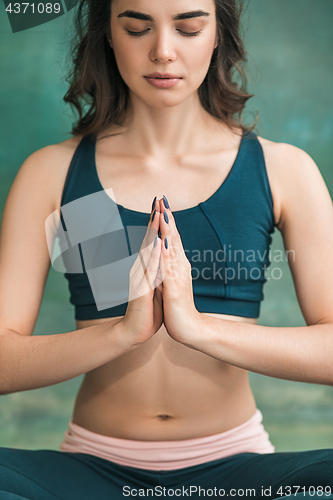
column 145, row 17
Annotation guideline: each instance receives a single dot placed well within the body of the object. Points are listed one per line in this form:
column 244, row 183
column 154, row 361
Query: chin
column 164, row 101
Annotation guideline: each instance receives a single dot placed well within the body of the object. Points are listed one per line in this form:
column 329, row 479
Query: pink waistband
column 248, row 437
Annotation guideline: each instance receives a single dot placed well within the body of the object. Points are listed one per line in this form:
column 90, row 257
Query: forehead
column 163, row 8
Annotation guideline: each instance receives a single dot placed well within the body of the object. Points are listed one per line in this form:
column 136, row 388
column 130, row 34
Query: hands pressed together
column 161, row 282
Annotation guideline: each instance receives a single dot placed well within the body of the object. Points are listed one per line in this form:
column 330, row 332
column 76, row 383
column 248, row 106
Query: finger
column 169, row 237
column 159, row 277
column 169, row 227
column 165, row 232
column 143, row 282
column 152, row 224
column 162, row 265
column 153, row 227
column 153, row 265
column 173, row 227
column 169, row 255
column 147, row 246
column 143, row 257
column 151, row 233
column 178, row 266
column 166, row 263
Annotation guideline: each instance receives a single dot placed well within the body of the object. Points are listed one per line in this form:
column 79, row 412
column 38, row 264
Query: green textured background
column 290, row 43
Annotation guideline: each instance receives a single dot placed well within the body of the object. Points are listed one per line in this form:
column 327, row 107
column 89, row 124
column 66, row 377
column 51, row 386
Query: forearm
column 294, row 353
column 31, row 362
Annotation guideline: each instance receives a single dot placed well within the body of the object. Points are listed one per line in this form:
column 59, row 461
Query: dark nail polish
column 166, row 202
column 153, row 205
column 166, row 243
column 153, row 215
column 166, row 218
column 159, row 234
column 155, row 242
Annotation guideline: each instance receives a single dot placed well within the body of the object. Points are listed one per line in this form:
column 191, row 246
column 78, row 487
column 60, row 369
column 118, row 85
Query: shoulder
column 280, row 153
column 47, row 169
column 50, row 155
column 289, row 168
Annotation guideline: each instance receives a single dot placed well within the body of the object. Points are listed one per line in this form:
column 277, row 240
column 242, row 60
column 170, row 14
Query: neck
column 171, row 130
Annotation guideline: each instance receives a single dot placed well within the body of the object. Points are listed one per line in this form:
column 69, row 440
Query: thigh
column 254, row 475
column 51, row 474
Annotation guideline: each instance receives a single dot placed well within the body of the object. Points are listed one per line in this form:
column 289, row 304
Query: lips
column 163, row 76
column 163, row 80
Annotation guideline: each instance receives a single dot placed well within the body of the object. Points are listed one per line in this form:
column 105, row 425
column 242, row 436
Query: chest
column 226, row 234
column 185, row 181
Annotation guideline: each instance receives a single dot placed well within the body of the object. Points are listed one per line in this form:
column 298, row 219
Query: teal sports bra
column 226, row 238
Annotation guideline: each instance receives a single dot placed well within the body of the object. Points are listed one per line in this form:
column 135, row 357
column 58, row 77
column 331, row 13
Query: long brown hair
column 99, row 94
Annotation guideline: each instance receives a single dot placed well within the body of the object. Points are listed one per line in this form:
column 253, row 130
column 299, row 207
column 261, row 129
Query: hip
column 249, row 437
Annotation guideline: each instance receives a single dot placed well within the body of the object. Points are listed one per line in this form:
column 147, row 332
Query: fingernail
column 166, row 202
column 153, row 215
column 166, row 218
column 153, row 205
column 166, row 243
column 155, row 242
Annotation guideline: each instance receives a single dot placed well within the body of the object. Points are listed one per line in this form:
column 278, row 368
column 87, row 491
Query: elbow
column 330, row 380
column 4, row 388
column 325, row 375
column 323, row 354
column 5, row 356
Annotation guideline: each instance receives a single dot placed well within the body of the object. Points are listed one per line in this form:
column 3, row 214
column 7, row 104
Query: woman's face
column 163, row 36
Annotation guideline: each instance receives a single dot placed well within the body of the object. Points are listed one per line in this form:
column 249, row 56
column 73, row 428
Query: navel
column 164, row 417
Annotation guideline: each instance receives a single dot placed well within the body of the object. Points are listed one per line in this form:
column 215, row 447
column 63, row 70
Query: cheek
column 199, row 60
column 127, row 54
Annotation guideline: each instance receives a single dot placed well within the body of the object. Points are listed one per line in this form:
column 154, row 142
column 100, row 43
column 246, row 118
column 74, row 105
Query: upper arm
column 306, row 225
column 24, row 255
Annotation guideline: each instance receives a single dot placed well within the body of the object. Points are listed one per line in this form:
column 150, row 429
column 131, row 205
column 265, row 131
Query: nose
column 163, row 49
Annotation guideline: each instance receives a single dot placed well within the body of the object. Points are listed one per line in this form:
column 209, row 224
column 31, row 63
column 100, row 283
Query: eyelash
column 140, row 33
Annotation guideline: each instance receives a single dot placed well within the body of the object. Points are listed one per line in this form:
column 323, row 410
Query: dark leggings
column 50, row 474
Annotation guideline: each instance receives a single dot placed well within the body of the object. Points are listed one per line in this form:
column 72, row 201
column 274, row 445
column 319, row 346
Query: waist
column 249, row 437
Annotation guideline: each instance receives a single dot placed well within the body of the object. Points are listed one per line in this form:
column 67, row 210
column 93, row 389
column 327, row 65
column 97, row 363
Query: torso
column 163, row 390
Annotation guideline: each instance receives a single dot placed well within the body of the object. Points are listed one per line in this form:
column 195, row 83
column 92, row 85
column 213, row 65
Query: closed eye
column 184, row 33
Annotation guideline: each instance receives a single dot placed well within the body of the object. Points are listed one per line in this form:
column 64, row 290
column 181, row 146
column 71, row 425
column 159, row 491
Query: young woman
column 165, row 406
